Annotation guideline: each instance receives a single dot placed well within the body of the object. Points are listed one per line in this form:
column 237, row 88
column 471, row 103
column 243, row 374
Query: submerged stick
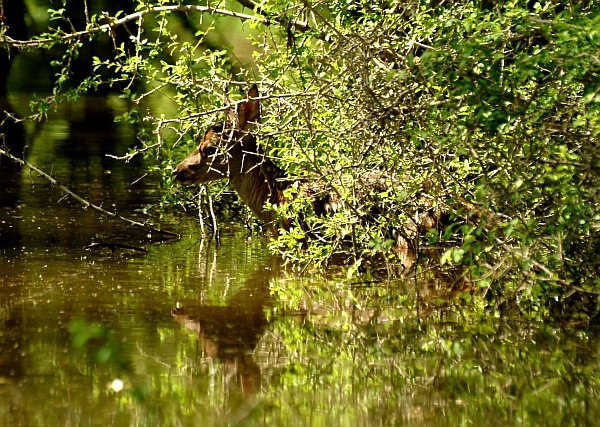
column 80, row 199
column 113, row 246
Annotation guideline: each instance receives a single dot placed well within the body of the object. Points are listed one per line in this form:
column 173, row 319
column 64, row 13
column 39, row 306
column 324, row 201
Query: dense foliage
column 489, row 110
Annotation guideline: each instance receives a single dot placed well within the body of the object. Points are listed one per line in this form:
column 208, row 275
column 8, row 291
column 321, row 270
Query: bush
column 488, row 111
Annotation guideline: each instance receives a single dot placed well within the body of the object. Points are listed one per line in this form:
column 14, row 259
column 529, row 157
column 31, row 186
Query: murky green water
column 191, row 333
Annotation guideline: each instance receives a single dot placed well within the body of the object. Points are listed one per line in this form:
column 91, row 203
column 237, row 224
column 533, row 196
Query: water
column 193, row 333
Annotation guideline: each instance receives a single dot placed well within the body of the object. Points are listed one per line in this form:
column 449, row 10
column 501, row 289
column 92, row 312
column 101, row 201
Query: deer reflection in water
column 230, row 334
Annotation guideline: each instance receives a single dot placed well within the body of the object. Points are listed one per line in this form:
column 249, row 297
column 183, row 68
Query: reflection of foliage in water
column 342, row 356
column 382, row 363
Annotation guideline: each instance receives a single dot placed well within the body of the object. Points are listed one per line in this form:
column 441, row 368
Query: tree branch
column 7, row 41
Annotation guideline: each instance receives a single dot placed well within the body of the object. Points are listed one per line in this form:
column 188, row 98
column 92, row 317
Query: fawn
column 229, row 150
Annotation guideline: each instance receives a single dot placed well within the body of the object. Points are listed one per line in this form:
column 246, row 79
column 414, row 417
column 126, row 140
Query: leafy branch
column 63, row 37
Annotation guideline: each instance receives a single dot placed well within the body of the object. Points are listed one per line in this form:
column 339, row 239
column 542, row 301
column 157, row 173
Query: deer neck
column 257, row 180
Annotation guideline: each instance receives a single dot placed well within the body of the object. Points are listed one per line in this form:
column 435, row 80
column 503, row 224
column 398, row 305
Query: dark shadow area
column 12, row 139
column 12, row 133
column 13, row 13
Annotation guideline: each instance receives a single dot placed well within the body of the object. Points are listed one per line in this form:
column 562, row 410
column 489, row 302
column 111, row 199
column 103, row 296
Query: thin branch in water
column 200, row 216
column 85, row 203
column 113, row 246
column 139, row 179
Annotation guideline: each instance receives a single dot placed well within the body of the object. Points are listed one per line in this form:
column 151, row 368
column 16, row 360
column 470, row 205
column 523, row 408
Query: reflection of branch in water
column 82, row 200
column 155, row 358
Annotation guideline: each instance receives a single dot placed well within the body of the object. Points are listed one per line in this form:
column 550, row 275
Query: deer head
column 224, row 147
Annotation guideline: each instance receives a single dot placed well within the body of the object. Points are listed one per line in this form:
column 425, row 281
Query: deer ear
column 252, row 107
column 248, row 111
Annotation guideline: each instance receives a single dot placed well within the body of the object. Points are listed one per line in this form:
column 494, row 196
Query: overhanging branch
column 64, row 37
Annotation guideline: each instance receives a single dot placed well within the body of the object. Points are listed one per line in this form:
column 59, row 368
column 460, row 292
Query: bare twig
column 127, row 157
column 554, row 23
